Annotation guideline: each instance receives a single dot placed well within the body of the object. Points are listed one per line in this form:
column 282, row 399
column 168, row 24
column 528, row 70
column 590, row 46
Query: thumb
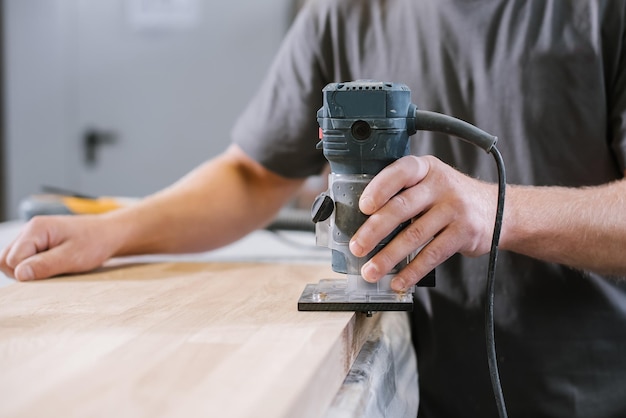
column 24, row 272
column 53, row 262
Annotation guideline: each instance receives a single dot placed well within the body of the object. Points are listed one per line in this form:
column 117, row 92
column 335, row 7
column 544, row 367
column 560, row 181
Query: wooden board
column 173, row 339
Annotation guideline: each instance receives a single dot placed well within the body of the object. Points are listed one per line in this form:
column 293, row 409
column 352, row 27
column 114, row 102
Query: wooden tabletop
column 173, row 339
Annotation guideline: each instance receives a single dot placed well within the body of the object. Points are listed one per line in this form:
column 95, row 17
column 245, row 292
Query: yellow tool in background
column 54, row 201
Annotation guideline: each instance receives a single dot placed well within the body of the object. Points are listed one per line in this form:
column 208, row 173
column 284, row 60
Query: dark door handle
column 94, row 139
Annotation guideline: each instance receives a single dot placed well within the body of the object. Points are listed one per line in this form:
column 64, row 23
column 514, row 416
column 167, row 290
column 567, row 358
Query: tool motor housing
column 364, row 126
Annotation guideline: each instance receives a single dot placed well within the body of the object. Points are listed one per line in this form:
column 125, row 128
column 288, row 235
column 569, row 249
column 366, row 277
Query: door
column 159, row 85
column 123, row 97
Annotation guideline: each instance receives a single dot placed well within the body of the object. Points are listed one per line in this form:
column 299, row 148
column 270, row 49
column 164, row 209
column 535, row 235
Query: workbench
column 212, row 334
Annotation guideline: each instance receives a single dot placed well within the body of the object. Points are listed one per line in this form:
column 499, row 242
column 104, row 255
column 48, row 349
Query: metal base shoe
column 333, row 295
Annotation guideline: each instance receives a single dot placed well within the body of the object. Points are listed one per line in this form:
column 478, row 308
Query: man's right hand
column 52, row 245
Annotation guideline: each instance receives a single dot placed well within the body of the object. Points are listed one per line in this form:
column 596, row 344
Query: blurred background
column 123, row 97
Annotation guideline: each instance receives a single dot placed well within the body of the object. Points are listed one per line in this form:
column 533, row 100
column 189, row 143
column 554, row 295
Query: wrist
column 120, row 227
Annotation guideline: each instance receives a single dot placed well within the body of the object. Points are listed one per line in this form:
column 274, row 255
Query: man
column 549, row 78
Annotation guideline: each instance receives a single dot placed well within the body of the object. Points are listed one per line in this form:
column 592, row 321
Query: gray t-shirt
column 549, row 79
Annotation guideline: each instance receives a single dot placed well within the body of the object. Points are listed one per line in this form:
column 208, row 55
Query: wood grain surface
column 173, row 339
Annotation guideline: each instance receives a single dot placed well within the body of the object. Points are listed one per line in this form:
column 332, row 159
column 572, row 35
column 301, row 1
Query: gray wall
column 169, row 91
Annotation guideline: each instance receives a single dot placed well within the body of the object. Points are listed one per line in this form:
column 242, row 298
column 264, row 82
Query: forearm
column 216, row 204
column 583, row 228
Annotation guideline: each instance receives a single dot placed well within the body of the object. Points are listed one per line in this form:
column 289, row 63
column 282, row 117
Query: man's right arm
column 216, row 204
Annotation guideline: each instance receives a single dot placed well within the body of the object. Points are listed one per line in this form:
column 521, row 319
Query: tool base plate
column 331, row 295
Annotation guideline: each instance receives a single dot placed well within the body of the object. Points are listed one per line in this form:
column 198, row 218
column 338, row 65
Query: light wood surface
column 173, row 339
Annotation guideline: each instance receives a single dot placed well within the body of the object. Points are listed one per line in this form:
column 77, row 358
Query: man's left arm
column 452, row 213
column 583, row 227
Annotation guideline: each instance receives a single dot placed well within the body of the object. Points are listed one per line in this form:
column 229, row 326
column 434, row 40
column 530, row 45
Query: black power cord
column 432, row 121
column 491, row 273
